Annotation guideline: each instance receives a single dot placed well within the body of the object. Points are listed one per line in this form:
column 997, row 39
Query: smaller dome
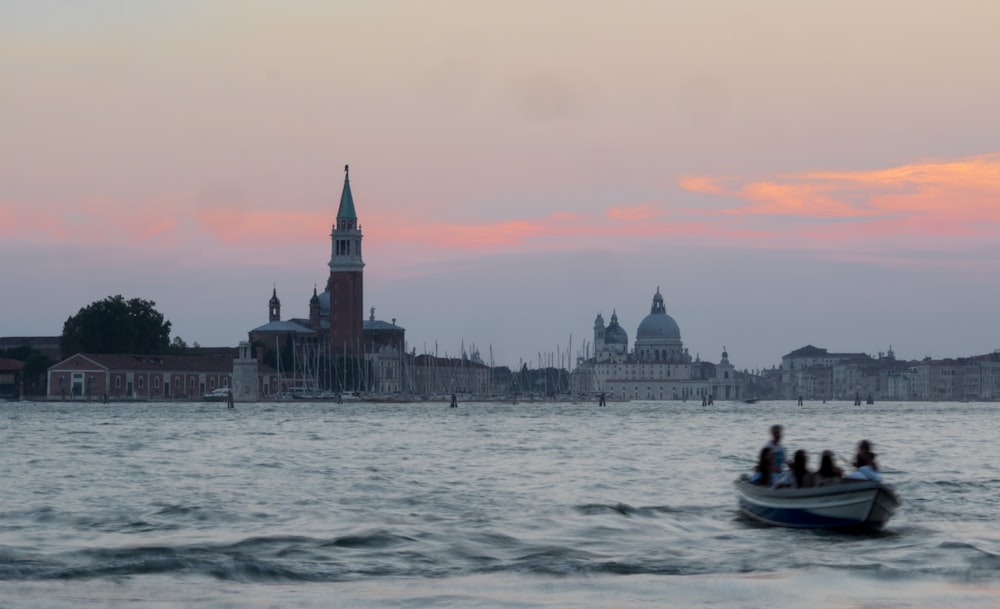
column 324, row 303
column 615, row 334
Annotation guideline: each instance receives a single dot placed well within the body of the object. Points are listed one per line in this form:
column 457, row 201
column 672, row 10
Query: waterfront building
column 658, row 367
column 431, row 376
column 11, row 378
column 799, row 368
column 99, row 376
column 814, row 373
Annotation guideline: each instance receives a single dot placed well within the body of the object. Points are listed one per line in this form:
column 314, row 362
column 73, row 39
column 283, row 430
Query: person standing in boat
column 777, row 449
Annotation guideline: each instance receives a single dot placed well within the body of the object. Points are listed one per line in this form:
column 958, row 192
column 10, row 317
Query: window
column 118, row 382
column 156, row 382
column 140, row 381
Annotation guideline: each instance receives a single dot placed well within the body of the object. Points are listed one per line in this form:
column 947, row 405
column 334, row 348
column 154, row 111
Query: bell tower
column 346, row 277
column 274, row 306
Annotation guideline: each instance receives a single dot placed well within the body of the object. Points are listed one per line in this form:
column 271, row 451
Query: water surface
column 491, row 505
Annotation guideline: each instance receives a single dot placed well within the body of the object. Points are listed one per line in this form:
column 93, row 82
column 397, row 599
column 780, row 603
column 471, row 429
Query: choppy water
column 488, row 505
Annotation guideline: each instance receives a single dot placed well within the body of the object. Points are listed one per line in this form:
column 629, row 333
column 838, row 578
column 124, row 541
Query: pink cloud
column 926, row 205
column 262, row 226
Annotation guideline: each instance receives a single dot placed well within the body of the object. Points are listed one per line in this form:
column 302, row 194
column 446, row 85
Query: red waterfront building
column 99, row 376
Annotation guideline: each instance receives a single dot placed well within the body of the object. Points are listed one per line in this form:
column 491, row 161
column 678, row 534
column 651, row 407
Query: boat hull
column 848, row 505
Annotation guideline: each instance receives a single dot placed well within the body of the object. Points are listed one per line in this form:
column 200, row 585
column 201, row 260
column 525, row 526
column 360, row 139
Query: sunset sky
column 786, row 172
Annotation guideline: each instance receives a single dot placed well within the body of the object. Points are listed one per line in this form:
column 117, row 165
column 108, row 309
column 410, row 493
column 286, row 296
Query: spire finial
column 347, row 172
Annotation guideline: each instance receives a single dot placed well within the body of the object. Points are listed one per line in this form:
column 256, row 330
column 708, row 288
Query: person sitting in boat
column 777, row 449
column 865, row 456
column 864, row 461
column 798, row 476
column 828, row 472
column 766, row 472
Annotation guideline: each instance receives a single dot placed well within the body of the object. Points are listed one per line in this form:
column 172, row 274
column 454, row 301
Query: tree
column 114, row 325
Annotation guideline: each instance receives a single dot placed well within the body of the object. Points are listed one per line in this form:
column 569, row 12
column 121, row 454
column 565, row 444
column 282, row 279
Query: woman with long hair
column 763, row 474
column 799, row 475
column 828, row 471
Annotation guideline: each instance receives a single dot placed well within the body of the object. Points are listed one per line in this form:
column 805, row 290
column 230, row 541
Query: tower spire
column 346, row 213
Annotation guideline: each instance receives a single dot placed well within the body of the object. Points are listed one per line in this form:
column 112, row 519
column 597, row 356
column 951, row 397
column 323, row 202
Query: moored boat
column 217, row 395
column 850, row 504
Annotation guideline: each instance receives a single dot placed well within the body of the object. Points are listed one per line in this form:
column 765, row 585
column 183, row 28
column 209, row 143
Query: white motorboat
column 849, row 504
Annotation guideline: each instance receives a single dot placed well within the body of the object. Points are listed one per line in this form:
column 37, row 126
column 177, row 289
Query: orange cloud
column 930, row 198
column 646, row 211
column 703, row 184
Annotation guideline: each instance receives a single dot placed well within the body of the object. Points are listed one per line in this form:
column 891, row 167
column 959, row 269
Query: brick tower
column 346, row 278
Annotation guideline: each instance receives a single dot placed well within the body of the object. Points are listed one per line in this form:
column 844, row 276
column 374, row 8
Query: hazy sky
column 786, row 172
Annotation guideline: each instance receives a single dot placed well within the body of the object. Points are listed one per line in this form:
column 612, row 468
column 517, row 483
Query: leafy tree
column 116, row 325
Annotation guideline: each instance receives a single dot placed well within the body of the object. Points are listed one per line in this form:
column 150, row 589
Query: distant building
column 430, row 376
column 657, row 368
column 11, row 379
column 96, row 376
column 814, row 373
column 47, row 345
column 808, row 371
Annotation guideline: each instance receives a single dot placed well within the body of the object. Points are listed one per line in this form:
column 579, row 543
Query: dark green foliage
column 116, row 325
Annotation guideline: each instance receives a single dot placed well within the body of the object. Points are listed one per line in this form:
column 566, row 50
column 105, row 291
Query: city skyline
column 786, row 174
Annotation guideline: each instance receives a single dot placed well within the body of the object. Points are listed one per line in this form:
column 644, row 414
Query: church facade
column 658, row 367
column 335, row 347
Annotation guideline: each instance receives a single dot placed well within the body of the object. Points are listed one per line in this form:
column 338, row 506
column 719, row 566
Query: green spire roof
column 346, row 211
